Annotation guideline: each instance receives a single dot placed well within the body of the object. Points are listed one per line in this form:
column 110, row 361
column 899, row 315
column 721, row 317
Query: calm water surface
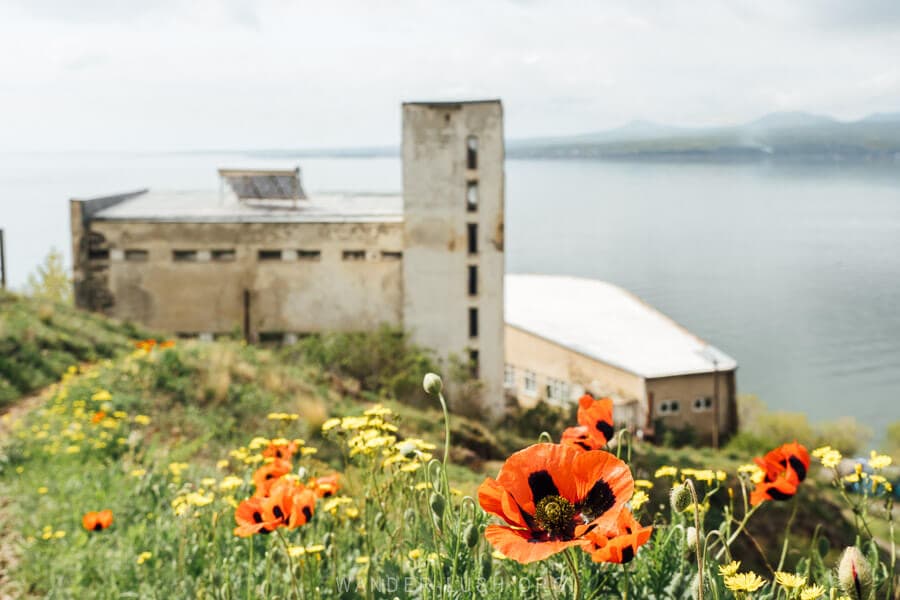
column 794, row 271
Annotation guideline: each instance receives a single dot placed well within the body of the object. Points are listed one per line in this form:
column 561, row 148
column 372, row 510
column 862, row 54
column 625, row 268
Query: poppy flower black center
column 278, row 513
column 555, row 514
column 97, row 526
column 599, row 499
column 257, row 517
column 605, row 428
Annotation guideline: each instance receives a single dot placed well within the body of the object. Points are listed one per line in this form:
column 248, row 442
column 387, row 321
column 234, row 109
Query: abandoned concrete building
column 263, row 257
column 566, row 335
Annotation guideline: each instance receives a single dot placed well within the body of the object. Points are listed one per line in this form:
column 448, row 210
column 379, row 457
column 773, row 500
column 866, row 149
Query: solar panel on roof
column 265, row 186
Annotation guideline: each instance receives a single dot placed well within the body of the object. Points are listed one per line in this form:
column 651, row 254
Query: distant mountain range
column 776, row 136
column 779, row 136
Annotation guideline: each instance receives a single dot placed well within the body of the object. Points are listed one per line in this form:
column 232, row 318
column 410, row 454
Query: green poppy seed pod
column 487, row 565
column 328, row 540
column 433, row 384
column 409, row 516
column 855, row 574
column 692, row 537
column 378, row 521
column 471, row 535
column 437, row 503
column 680, row 498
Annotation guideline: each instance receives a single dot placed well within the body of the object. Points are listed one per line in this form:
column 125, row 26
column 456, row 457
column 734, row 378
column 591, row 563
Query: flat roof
column 208, row 206
column 608, row 323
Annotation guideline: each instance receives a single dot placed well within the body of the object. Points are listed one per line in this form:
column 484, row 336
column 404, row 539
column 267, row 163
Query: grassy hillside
column 40, row 340
column 171, row 440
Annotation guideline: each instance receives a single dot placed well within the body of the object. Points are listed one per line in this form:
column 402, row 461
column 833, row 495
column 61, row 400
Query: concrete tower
column 453, row 263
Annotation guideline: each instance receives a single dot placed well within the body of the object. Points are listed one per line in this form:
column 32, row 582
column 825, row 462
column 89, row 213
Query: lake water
column 794, row 271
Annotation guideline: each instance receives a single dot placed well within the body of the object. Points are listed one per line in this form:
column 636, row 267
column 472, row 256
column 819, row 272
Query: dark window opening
column 269, row 255
column 187, row 335
column 472, row 229
column 473, row 280
column 309, row 254
column 472, row 196
column 271, row 337
column 98, row 254
column 223, row 255
column 135, row 255
column 354, row 255
column 386, row 255
column 184, row 255
column 473, row 364
column 472, row 152
column 473, row 322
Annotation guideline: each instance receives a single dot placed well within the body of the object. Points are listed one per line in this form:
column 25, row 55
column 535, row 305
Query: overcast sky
column 196, row 74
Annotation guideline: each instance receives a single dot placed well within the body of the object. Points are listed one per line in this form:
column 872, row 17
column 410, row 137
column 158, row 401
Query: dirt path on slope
column 10, row 538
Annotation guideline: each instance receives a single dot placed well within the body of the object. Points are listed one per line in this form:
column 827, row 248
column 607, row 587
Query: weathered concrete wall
column 290, row 295
column 437, row 176
column 528, row 352
column 685, row 389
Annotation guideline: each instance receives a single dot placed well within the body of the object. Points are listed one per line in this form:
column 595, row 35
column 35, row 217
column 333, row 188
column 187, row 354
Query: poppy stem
column 251, row 573
column 287, row 554
column 700, row 583
column 576, row 582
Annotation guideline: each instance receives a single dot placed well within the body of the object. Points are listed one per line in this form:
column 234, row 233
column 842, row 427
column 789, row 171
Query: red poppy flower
column 303, row 505
column 325, row 486
column 145, row 345
column 595, row 424
column 252, row 518
column 97, row 521
column 618, row 544
column 268, row 474
column 98, row 416
column 785, row 469
column 284, row 451
column 551, row 496
column 167, row 344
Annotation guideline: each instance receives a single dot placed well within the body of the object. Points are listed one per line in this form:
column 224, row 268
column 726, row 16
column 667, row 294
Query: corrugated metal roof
column 211, row 207
column 264, row 184
column 608, row 323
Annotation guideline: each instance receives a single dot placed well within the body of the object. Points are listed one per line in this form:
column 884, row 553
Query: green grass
column 40, row 340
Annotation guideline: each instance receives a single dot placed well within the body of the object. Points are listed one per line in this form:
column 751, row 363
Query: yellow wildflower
column 639, row 499
column 315, row 549
column 744, row 582
column 330, row 424
column 643, row 483
column 222, row 464
column 208, row 482
column 142, row 419
column 879, row 461
column 42, row 490
column 138, row 472
column 144, row 557
column 789, row 580
column 414, row 554
column 730, row 569
column 296, row 551
column 362, row 560
column 665, row 471
column 832, row 459
column 812, row 592
column 282, row 416
column 308, row 450
column 258, row 442
column 101, row 396
column 230, row 483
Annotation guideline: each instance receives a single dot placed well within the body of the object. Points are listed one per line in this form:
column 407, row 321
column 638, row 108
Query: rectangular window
column 472, row 152
column 472, row 231
column 184, row 255
column 509, row 376
column 271, row 337
column 703, row 403
column 98, row 254
column 223, row 255
column 135, row 255
column 473, row 364
column 309, row 254
column 268, row 255
column 354, row 255
column 386, row 255
column 530, row 383
column 473, row 322
column 557, row 390
column 669, row 407
column 473, row 280
column 472, row 196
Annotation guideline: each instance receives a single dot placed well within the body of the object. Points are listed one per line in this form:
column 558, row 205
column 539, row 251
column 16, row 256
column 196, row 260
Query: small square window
column 268, row 255
column 354, row 255
column 223, row 255
column 98, row 254
column 529, row 382
column 309, row 254
column 184, row 255
column 136, row 255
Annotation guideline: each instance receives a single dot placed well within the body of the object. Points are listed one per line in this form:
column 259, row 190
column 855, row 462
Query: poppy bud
column 409, row 516
column 680, row 498
column 692, row 537
column 378, row 521
column 487, row 565
column 437, row 503
column 433, row 384
column 471, row 535
column 854, row 574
